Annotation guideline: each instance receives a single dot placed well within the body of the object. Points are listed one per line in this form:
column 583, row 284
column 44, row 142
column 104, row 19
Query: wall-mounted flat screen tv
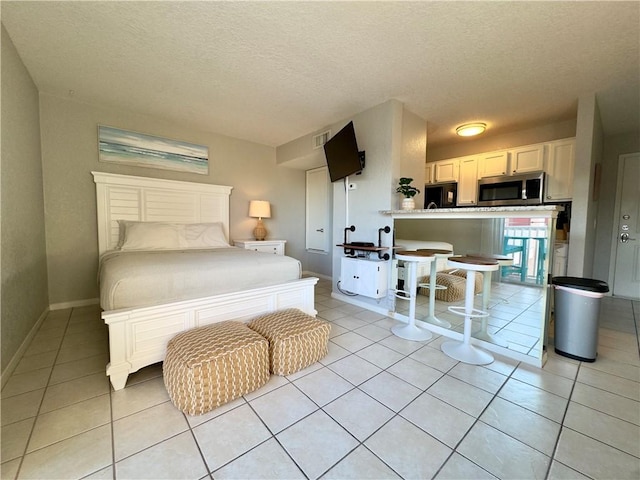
column 341, row 151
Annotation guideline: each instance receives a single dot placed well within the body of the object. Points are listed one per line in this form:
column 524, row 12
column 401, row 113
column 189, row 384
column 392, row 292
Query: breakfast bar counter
column 538, row 211
column 521, row 295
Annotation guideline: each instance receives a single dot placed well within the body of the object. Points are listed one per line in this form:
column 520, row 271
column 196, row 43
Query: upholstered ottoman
column 296, row 340
column 454, row 287
column 208, row 366
column 463, row 273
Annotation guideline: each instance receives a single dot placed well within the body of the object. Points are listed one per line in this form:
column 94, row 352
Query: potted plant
column 408, row 191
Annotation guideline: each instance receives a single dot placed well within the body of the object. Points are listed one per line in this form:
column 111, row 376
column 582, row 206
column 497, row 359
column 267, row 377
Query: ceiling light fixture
column 471, row 129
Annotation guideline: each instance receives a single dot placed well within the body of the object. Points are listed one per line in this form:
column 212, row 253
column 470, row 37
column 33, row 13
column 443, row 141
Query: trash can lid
column 578, row 283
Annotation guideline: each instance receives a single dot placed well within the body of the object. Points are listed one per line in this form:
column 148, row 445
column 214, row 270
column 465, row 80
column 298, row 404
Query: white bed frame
column 138, row 337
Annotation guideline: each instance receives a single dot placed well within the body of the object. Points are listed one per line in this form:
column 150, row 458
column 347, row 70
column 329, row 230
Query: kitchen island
column 520, row 295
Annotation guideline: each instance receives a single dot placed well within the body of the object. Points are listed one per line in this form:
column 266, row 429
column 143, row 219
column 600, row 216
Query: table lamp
column 259, row 209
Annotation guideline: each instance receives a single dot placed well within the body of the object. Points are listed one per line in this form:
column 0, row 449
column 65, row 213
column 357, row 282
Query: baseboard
column 11, row 366
column 314, row 274
column 75, row 303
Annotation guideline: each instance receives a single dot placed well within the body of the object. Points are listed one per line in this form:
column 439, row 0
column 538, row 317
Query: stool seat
column 502, row 260
column 464, row 351
column 473, row 263
column 414, row 256
column 436, row 251
column 411, row 331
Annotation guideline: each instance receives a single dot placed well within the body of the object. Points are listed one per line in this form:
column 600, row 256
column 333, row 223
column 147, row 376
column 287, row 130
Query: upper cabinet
column 559, row 165
column 428, row 173
column 527, row 159
column 442, row 171
column 493, row 164
column 556, row 158
column 446, row 171
column 468, row 182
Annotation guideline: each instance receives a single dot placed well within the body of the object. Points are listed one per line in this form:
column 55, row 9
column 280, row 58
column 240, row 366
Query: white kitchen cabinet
column 428, row 173
column 442, row 171
column 468, row 181
column 559, row 165
column 493, row 164
column 364, row 277
column 527, row 159
column 446, row 170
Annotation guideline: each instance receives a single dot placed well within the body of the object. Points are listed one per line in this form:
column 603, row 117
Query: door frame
column 616, row 214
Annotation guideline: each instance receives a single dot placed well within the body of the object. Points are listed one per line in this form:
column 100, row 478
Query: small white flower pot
column 408, row 203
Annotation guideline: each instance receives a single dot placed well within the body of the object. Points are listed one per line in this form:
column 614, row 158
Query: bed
column 140, row 322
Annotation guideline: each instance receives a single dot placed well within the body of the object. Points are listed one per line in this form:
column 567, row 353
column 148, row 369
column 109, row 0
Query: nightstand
column 267, row 246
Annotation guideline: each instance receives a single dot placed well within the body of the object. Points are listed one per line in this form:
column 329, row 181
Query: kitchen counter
column 535, row 211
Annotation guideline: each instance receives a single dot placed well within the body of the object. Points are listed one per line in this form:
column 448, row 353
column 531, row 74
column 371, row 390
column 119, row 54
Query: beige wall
column 24, row 297
column 70, row 153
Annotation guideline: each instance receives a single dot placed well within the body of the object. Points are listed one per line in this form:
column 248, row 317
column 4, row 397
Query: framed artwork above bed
column 142, row 150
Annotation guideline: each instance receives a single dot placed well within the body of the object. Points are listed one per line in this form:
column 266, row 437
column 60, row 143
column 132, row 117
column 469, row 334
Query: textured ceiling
column 271, row 72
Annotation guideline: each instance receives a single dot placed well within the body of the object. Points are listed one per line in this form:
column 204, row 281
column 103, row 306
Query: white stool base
column 411, row 332
column 466, row 353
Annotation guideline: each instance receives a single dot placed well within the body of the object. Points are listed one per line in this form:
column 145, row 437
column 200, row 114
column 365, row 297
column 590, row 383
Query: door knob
column 624, row 238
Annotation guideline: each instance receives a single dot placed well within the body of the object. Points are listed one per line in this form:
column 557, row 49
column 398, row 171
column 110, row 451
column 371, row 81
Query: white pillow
column 151, row 236
column 204, row 235
column 170, row 236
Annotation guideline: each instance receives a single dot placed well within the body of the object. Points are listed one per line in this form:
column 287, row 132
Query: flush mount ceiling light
column 471, row 129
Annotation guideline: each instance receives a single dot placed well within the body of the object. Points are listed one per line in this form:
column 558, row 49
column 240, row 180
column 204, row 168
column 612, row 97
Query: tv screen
column 342, row 155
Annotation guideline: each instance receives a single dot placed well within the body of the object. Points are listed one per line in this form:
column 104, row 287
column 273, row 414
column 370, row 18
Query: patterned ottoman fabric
column 296, row 340
column 454, row 291
column 455, row 281
column 463, row 273
column 208, row 366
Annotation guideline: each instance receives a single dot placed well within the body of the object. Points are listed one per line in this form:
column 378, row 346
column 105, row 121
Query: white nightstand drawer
column 267, row 246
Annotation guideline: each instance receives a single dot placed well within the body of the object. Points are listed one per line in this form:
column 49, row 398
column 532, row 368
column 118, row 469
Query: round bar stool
column 503, row 261
column 464, row 351
column 410, row 331
column 431, row 318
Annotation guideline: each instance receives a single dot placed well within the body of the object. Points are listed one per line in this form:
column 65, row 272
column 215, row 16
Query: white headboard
column 125, row 197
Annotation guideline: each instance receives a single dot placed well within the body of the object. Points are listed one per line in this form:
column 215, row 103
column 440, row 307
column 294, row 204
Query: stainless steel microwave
column 523, row 189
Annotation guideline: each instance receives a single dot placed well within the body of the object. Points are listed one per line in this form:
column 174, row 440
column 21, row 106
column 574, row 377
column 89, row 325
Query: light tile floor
column 376, row 407
column 515, row 312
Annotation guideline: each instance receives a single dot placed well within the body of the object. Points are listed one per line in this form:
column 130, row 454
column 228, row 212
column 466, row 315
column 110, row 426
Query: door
column 317, row 210
column 626, row 279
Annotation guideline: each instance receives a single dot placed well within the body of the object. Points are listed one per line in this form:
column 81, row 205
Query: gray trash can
column 577, row 308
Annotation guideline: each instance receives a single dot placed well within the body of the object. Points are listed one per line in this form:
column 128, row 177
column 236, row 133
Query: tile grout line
column 44, row 393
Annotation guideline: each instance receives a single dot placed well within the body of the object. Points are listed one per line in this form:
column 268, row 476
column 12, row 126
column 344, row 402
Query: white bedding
column 142, row 278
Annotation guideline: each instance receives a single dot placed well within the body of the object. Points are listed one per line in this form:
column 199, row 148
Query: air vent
column 320, row 139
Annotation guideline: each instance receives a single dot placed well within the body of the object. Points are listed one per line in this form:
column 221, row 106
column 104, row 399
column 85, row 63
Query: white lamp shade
column 259, row 209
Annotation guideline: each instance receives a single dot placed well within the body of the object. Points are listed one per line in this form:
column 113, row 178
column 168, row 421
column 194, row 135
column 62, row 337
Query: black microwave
column 443, row 195
column 523, row 189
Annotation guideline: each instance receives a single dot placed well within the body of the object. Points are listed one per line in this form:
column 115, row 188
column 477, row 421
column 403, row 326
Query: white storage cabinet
column 364, row 277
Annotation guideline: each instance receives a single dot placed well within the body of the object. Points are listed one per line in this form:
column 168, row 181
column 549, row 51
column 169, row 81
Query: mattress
column 131, row 279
